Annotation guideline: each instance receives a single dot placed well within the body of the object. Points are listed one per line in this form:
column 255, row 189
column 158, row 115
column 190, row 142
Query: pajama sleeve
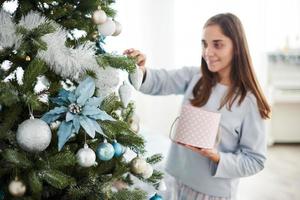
column 250, row 156
column 165, row 82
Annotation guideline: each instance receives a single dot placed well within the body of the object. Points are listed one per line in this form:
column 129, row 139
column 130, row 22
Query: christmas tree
column 65, row 121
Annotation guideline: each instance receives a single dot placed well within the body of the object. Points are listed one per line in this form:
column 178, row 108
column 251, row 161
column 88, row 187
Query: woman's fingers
column 131, row 52
column 128, row 51
column 141, row 58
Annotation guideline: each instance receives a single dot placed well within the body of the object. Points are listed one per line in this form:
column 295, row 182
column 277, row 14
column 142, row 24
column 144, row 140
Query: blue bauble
column 105, row 151
column 118, row 148
column 156, row 197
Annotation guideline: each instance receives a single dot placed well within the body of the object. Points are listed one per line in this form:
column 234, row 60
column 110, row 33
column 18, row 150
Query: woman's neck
column 224, row 77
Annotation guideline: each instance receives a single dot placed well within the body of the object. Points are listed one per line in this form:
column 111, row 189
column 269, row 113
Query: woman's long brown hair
column 242, row 75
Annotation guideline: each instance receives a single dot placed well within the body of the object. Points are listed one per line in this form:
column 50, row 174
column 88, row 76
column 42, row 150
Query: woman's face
column 217, row 50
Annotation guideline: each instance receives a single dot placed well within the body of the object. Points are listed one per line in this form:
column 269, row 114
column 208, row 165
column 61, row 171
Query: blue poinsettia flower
column 80, row 109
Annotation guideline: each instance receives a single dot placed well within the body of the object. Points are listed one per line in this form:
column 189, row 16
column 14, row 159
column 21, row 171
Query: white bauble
column 107, row 28
column 34, row 135
column 135, row 123
column 17, row 188
column 118, row 29
column 138, row 165
column 162, row 186
column 148, row 172
column 99, row 17
column 125, row 92
column 86, row 157
column 136, row 78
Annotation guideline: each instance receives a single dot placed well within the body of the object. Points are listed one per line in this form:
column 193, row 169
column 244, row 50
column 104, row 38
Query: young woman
column 225, row 83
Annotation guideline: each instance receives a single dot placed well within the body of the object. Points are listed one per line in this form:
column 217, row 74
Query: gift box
column 196, row 127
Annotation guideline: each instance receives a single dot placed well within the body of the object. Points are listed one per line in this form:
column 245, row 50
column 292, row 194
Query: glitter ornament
column 156, row 197
column 118, row 148
column 34, row 135
column 99, row 17
column 86, row 157
column 138, row 165
column 105, row 151
column 107, row 28
column 17, row 188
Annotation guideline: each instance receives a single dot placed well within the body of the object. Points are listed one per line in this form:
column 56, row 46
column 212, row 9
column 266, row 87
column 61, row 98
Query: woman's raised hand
column 140, row 57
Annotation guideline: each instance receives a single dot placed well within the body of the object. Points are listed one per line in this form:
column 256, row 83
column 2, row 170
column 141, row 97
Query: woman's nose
column 208, row 51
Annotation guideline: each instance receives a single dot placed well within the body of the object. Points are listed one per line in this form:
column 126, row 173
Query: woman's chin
column 213, row 69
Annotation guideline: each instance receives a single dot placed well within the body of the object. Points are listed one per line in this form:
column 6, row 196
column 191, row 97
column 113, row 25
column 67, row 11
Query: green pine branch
column 126, row 194
column 17, row 159
column 36, row 68
column 111, row 103
column 57, row 179
column 127, row 113
column 154, row 159
column 8, row 118
column 8, row 94
column 35, row 183
column 121, row 132
column 117, row 61
column 32, row 42
column 62, row 160
column 155, row 179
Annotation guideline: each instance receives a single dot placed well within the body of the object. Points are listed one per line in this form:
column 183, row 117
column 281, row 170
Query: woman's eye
column 218, row 45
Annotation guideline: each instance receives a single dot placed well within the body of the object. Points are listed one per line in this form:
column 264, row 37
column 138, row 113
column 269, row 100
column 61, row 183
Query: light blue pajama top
column 243, row 140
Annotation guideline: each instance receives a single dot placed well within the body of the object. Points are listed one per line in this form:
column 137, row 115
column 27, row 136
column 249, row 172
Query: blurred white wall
column 169, row 32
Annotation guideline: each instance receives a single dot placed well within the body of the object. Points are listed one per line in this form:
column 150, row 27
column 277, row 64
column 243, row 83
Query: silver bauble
column 17, row 188
column 86, row 157
column 148, row 171
column 107, row 28
column 138, row 165
column 99, row 17
column 34, row 135
column 118, row 29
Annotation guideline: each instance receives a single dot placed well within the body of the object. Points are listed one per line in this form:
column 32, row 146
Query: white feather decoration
column 8, row 37
column 107, row 81
column 64, row 61
column 33, row 20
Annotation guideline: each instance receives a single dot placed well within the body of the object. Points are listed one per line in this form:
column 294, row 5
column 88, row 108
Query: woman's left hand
column 212, row 154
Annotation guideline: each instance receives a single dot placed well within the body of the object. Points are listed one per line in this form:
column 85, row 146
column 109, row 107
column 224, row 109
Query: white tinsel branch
column 8, row 36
